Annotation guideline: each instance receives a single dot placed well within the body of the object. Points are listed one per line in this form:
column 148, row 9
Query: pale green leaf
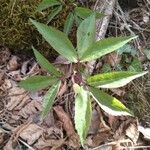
column 86, row 34
column 83, row 112
column 68, row 23
column 147, row 53
column 136, row 65
column 105, row 46
column 113, row 79
column 58, row 40
column 47, row 3
column 85, row 12
column 45, row 64
column 37, row 82
column 54, row 12
column 109, row 104
column 49, row 98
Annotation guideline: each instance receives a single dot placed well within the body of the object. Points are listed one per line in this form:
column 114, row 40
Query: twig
column 28, row 146
column 134, row 147
column 112, row 143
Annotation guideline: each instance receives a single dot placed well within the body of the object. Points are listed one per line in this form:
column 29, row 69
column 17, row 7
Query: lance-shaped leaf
column 113, row 79
column 49, row 98
column 109, row 104
column 45, row 64
column 54, row 13
column 58, row 40
column 85, row 12
column 47, row 3
column 83, row 112
column 69, row 23
column 86, row 34
column 105, row 46
column 37, row 82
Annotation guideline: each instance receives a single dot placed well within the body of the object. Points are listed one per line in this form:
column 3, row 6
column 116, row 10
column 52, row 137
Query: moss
column 19, row 34
column 16, row 31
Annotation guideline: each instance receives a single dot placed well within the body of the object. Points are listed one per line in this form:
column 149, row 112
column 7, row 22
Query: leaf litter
column 22, row 109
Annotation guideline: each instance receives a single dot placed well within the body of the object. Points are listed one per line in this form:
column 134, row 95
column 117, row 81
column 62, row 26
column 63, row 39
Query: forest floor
column 21, row 127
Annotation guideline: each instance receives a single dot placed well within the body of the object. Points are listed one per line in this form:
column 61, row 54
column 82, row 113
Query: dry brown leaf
column 31, row 133
column 113, row 59
column 15, row 75
column 119, row 92
column 10, row 145
column 24, row 67
column 52, row 144
column 13, row 63
column 63, row 89
column 33, row 107
column 95, row 122
column 1, row 77
column 49, row 120
column 18, row 101
column 132, row 131
column 16, row 91
column 54, row 133
column 99, row 138
column 65, row 119
column 61, row 60
column 124, row 127
column 68, row 126
column 6, row 85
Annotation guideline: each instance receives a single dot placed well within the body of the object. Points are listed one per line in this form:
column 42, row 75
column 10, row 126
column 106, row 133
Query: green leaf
column 85, row 12
column 45, row 64
column 58, row 40
column 47, row 3
column 68, row 23
column 136, row 65
column 78, row 20
column 109, row 104
column 113, row 79
column 147, row 53
column 127, row 49
column 105, row 46
column 54, row 13
column 86, row 34
column 106, row 68
column 37, row 82
column 49, row 98
column 83, row 112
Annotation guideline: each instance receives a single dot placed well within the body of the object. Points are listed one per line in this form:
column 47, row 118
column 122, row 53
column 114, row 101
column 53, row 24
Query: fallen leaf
column 32, row 108
column 1, row 77
column 51, row 143
column 145, row 132
column 15, row 75
column 99, row 138
column 31, row 133
column 95, row 122
column 17, row 102
column 113, row 59
column 119, row 92
column 132, row 131
column 63, row 89
column 61, row 60
column 13, row 63
column 68, row 126
column 10, row 145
